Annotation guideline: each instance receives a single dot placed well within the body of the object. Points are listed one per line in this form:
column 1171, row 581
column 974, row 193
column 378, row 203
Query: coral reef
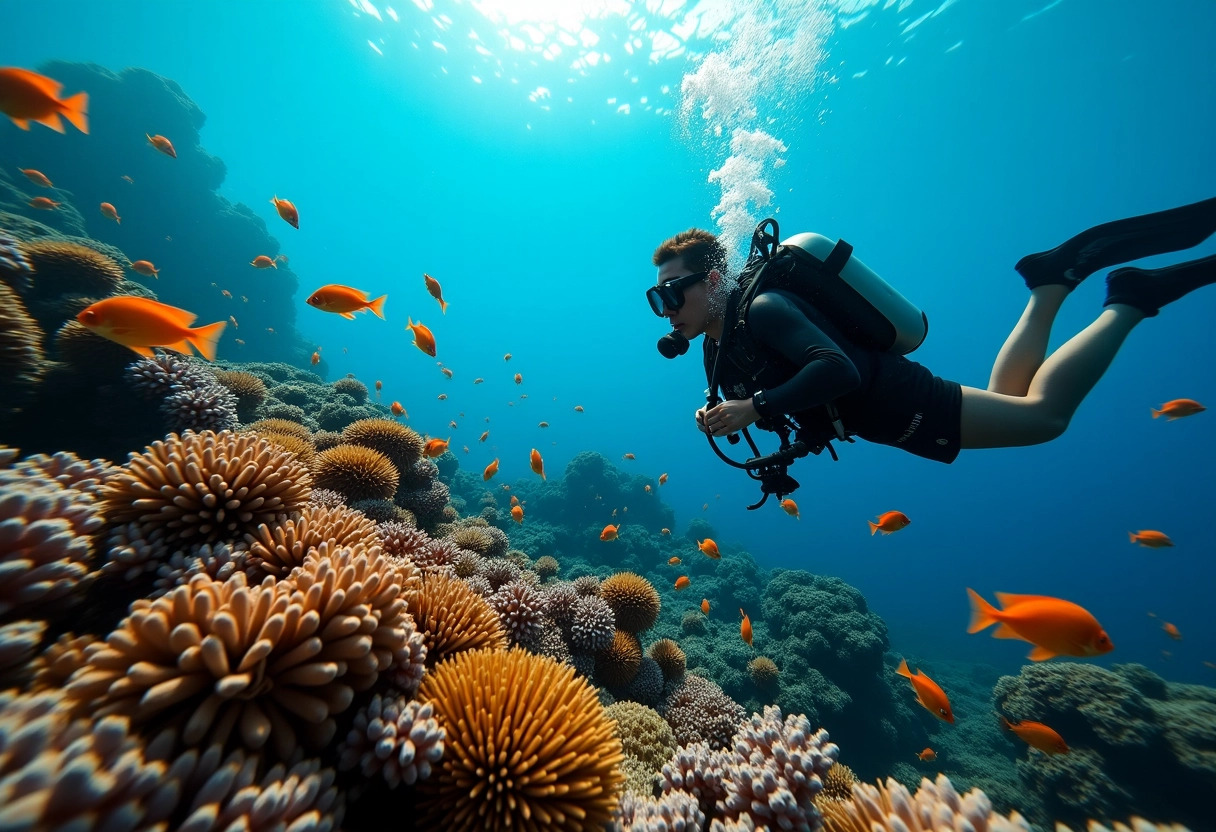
column 936, row 805
column 22, row 359
column 633, row 599
column 618, row 663
column 453, row 618
column 402, row 445
column 396, row 738
column 356, row 472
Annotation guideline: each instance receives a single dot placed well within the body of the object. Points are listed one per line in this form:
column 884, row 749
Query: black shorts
column 910, row 408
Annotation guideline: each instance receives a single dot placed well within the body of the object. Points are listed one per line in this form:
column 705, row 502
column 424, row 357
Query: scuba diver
column 809, row 341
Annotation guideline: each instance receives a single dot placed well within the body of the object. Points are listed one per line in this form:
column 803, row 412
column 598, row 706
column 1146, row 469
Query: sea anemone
column 670, row 658
column 206, row 487
column 936, row 805
column 634, row 600
column 453, row 619
column 67, row 469
column 22, row 362
column 218, row 561
column 527, row 746
column 356, row 472
column 398, row 739
column 278, row 548
column 19, row 641
column 763, row 671
column 402, row 445
column 618, row 663
column 56, row 664
column 62, row 268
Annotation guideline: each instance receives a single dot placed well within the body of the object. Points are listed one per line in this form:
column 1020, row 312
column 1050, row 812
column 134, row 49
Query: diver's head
column 692, row 287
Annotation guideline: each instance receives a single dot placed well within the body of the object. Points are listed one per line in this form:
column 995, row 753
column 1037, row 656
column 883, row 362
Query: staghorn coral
column 633, row 599
column 520, row 608
column 398, row 739
column 593, row 626
column 207, row 487
column 763, row 671
column 527, row 746
column 670, row 658
column 618, row 663
column 287, row 426
column 453, row 619
column 935, row 806
column 356, row 473
column 402, row 445
column 352, row 387
column 838, row 783
column 62, row 268
column 546, row 567
column 22, row 361
column 250, row 391
column 699, row 711
column 697, row 770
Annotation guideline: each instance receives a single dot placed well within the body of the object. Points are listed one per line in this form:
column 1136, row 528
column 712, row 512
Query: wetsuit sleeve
column 826, row 372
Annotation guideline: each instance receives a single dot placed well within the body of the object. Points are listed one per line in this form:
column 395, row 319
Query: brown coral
column 278, row 548
column 280, row 426
column 56, row 664
column 618, row 663
column 356, row 472
column 302, row 448
column 472, row 539
column 250, row 391
column 644, row 734
column 528, row 746
column 86, row 351
column 70, row 268
column 763, row 671
column 207, row 487
column 402, row 445
column 634, row 600
column 838, row 783
column 936, row 805
column 22, row 362
column 669, row 657
column 453, row 618
column 546, row 567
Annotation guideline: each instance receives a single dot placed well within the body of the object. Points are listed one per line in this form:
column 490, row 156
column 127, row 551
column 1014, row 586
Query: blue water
column 943, row 147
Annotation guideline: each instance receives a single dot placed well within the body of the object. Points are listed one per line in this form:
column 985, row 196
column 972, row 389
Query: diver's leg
column 1121, row 241
column 1026, row 347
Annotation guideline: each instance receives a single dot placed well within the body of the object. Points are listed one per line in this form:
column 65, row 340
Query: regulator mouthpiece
column 673, row 344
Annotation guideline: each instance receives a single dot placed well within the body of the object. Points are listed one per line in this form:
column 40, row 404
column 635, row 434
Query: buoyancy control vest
column 862, row 306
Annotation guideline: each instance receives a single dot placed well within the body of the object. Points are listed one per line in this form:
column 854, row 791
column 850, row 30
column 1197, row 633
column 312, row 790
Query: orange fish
column 662, row 479
column 345, row 301
column 790, row 508
column 709, row 548
column 1037, row 735
column 628, row 456
column 446, row 372
column 37, row 177
column 27, row 96
column 162, row 144
column 1056, row 627
column 519, row 379
column 578, row 408
column 514, row 500
column 1171, row 631
column 705, row 605
column 647, row 488
column 442, row 397
column 1150, row 539
column 1178, row 408
column 226, row 293
column 484, row 436
column 398, row 410
column 43, row 203
column 928, row 694
column 478, row 380
column 517, row 514
column 542, row 424
column 507, row 357
column 538, row 464
column 146, row 268
column 665, row 531
column 436, row 447
column 264, row 262
column 745, row 628
column 423, row 339
column 286, row 210
column 491, row 470
column 379, row 385
column 609, row 532
column 927, row 756
column 682, row 582
column 141, row 323
column 316, row 358
column 432, row 286
column 673, row 561
column 890, row 522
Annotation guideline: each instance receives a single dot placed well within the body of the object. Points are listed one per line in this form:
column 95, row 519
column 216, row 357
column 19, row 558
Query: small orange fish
column 146, row 268
column 745, row 628
column 442, row 397
column 538, row 464
column 345, row 301
column 27, row 96
column 316, row 358
column 1037, row 735
column 663, row 479
column 162, row 144
column 43, row 203
column 1056, row 627
column 1171, row 631
column 1150, row 539
column 628, row 456
column 264, row 262
column 398, row 410
column 226, row 293
column 127, row 179
column 379, row 385
column 519, row 379
column 578, row 408
column 927, row 756
column 709, row 548
column 665, row 531
column 682, row 582
column 1177, row 409
column 484, row 436
column 436, row 291
column 286, row 210
column 790, row 508
column 647, row 488
column 673, row 561
column 436, row 447
column 141, row 323
column 517, row 514
column 514, row 500
column 446, row 372
column 37, row 177
column 507, row 357
column 928, row 694
column 609, row 532
column 889, row 522
column 478, row 380
column 423, row 338
column 705, row 606
column 491, row 470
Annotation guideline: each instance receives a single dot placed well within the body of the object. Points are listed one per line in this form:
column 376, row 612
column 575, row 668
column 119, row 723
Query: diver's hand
column 701, row 421
column 729, row 417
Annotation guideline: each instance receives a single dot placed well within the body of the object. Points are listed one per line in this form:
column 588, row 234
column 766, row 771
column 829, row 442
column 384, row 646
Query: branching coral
column 402, row 445
column 356, row 472
column 453, row 619
column 398, row 739
column 935, row 806
column 528, row 746
column 207, row 487
column 633, row 599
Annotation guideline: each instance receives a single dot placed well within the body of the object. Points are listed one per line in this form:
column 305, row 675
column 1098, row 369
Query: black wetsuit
column 802, row 362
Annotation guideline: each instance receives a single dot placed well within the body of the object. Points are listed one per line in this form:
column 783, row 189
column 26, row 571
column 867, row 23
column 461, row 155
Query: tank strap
column 837, row 423
column 838, row 258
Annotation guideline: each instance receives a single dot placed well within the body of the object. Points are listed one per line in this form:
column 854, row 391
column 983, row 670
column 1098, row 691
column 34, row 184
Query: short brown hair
column 701, row 250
